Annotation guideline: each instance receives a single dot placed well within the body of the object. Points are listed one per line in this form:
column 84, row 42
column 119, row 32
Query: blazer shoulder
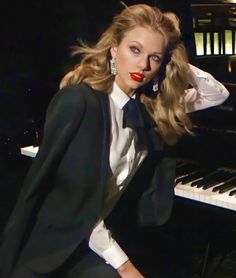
column 74, row 93
column 71, row 98
column 76, row 89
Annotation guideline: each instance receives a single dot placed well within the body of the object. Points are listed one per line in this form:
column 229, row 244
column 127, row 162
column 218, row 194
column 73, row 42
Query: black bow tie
column 136, row 117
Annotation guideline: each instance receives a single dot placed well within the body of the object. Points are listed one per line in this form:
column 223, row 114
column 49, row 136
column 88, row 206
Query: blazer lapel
column 104, row 101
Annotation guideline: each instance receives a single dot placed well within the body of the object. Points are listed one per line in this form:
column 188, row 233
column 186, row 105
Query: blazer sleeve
column 155, row 204
column 64, row 116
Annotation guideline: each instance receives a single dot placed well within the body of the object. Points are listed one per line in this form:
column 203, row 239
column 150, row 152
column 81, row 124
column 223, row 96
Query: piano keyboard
column 213, row 186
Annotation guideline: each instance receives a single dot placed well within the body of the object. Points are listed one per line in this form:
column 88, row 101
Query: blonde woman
column 100, row 127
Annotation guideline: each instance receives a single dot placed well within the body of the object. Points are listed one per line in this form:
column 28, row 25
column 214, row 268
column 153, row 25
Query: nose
column 144, row 63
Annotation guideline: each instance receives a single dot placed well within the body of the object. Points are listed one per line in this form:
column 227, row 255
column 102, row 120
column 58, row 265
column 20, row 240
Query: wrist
column 125, row 267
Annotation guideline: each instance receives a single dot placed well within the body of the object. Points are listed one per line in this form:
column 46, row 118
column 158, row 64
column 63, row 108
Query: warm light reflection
column 199, row 43
column 208, row 49
column 217, row 44
column 228, row 42
column 229, row 1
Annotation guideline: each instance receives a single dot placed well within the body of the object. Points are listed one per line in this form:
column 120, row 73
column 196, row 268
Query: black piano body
column 204, row 213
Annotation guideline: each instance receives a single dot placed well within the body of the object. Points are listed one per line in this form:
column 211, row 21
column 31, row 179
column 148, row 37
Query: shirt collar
column 118, row 96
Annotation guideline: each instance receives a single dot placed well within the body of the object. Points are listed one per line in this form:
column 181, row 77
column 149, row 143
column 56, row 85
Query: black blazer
column 64, row 190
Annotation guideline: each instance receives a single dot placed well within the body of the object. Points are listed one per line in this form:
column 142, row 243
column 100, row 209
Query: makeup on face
column 138, row 58
column 137, row 76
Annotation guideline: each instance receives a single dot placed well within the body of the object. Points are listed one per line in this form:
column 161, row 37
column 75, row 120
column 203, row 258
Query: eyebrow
column 159, row 53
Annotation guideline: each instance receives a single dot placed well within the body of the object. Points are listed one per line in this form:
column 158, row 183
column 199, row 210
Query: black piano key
column 232, row 193
column 208, row 177
column 194, row 176
column 208, row 185
column 213, row 180
column 218, row 181
column 224, row 185
column 185, row 169
column 205, row 178
column 227, row 188
column 187, row 176
column 179, row 176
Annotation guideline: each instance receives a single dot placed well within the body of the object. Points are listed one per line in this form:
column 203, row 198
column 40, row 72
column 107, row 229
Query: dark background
column 35, row 42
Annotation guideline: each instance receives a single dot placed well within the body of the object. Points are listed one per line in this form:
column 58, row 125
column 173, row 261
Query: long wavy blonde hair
column 167, row 108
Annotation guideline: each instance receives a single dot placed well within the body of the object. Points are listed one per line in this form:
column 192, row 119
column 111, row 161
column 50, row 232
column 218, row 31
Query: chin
column 135, row 85
column 132, row 86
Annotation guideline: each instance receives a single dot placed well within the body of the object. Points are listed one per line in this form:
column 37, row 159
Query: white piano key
column 29, row 151
column 182, row 190
column 206, row 196
column 228, row 201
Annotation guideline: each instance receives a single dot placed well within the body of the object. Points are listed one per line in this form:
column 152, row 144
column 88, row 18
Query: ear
column 113, row 51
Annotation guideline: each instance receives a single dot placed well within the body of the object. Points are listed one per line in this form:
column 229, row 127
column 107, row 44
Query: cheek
column 123, row 58
column 155, row 68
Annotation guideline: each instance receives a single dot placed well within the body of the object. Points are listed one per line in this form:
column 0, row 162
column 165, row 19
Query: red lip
column 137, row 76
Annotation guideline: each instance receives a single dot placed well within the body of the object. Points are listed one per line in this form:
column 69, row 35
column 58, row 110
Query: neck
column 129, row 92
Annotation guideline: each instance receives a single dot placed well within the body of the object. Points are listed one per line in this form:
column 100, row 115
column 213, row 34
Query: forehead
column 146, row 37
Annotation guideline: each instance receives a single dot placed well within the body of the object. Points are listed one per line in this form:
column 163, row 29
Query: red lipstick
column 137, row 76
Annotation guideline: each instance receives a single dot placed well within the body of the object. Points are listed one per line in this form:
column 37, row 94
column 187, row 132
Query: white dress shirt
column 206, row 91
column 124, row 161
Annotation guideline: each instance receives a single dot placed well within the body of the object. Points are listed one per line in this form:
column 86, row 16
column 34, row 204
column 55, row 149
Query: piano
column 203, row 222
column 215, row 186
column 206, row 168
column 204, row 212
column 213, row 147
column 206, row 161
column 203, row 219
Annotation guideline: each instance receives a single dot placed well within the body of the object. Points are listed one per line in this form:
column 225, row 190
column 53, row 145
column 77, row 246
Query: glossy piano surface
column 213, row 186
column 212, row 149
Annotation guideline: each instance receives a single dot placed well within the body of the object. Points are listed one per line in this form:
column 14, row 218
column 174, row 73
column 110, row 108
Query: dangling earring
column 155, row 86
column 113, row 66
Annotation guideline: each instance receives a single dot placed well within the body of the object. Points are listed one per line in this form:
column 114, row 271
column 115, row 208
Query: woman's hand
column 128, row 270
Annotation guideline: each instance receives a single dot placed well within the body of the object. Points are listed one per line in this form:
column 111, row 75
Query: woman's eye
column 156, row 58
column 134, row 49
